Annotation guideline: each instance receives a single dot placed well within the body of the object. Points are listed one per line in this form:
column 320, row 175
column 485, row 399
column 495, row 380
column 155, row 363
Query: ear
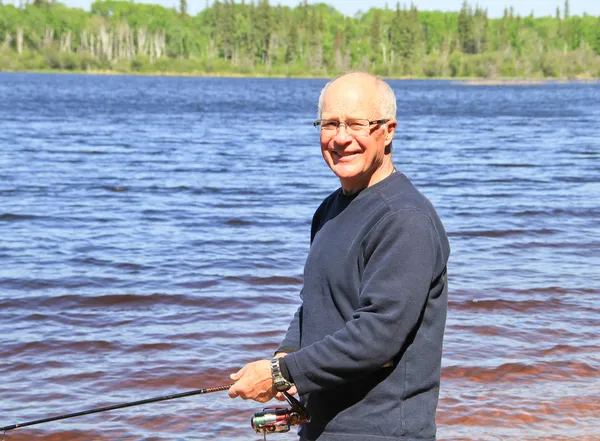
column 390, row 130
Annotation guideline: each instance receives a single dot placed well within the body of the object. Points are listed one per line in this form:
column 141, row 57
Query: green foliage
column 257, row 38
column 596, row 37
column 406, row 34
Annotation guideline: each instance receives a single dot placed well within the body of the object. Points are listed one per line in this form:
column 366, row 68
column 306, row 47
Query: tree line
column 241, row 37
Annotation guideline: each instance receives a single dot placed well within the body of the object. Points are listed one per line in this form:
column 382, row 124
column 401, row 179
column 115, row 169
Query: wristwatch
column 279, row 382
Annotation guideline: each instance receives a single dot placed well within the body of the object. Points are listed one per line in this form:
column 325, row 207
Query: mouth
column 344, row 156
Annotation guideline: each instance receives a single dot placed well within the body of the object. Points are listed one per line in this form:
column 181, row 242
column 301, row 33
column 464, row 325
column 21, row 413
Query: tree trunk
column 339, row 61
column 83, row 43
column 48, row 37
column 142, row 42
column 7, row 40
column 211, row 49
column 93, row 51
column 20, row 39
column 131, row 44
column 105, row 40
column 65, row 42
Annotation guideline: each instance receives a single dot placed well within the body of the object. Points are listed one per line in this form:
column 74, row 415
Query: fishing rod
column 270, row 420
column 118, row 406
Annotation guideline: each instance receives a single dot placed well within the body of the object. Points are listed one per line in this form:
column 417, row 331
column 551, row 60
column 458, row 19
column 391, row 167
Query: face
column 358, row 160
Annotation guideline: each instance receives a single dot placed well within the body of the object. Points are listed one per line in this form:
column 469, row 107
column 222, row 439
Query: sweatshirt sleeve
column 399, row 258
column 291, row 341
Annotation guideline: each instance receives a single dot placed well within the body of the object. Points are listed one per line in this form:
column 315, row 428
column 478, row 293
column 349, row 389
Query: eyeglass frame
column 318, row 122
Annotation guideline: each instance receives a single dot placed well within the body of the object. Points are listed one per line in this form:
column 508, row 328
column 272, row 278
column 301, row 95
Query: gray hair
column 386, row 100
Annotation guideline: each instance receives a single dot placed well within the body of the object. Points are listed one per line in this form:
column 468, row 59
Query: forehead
column 349, row 99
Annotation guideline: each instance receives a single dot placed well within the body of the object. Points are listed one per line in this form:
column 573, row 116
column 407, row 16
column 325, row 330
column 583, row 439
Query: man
column 364, row 348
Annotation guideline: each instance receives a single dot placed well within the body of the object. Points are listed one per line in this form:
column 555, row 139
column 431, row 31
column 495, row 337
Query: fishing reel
column 280, row 419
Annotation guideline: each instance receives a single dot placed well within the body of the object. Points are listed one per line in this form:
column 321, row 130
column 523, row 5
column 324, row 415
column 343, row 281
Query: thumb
column 237, row 375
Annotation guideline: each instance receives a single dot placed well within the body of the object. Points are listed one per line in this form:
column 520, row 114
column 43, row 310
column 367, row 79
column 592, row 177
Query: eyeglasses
column 353, row 126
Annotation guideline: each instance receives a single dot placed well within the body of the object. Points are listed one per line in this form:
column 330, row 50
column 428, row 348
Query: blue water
column 154, row 232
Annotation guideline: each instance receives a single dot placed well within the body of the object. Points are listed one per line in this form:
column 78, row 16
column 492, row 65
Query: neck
column 378, row 175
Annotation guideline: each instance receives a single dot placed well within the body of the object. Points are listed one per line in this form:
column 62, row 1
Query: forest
column 256, row 38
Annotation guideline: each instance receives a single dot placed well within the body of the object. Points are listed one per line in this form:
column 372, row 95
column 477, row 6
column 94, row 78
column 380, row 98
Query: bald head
column 383, row 100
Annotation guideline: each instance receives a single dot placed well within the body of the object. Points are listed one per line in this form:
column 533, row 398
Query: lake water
column 154, row 231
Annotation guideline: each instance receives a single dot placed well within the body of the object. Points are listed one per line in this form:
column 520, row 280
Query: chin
column 345, row 171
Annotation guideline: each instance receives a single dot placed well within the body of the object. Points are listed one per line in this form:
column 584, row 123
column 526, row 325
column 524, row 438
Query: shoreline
column 466, row 81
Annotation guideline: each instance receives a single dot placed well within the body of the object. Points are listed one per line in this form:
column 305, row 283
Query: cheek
column 325, row 151
column 375, row 147
column 367, row 146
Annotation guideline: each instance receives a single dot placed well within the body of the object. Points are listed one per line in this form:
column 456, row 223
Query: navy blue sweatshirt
column 366, row 342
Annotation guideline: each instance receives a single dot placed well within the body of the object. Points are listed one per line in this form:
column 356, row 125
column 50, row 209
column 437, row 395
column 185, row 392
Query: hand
column 292, row 390
column 253, row 382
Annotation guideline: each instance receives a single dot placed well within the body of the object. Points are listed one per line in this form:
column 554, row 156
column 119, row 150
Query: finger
column 293, row 390
column 280, row 397
column 239, row 374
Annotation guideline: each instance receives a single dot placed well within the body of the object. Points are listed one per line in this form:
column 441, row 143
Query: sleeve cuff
column 286, row 349
column 285, row 372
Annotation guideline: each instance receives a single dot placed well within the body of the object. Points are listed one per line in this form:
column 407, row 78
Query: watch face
column 282, row 385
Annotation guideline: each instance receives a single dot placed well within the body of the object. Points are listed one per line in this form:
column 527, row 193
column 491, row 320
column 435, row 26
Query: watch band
column 279, row 381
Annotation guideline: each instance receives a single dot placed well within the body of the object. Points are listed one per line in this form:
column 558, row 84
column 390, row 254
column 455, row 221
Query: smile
column 344, row 155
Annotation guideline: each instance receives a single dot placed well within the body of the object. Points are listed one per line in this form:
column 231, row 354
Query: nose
column 341, row 136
